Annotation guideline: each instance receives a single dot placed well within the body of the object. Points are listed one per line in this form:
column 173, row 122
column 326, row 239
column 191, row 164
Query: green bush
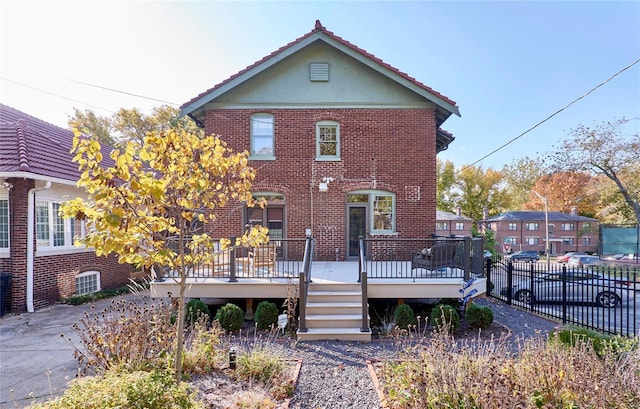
column 134, row 390
column 479, row 317
column 266, row 315
column 98, row 295
column 230, row 317
column 196, row 309
column 602, row 344
column 445, row 317
column 403, row 316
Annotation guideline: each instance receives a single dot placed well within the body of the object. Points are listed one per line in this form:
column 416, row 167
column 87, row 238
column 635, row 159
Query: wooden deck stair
column 334, row 312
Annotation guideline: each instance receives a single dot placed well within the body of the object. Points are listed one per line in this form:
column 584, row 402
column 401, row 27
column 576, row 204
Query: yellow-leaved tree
column 151, row 202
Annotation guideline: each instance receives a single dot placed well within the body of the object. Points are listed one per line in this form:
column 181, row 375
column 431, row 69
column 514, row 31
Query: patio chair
column 263, row 259
column 222, row 260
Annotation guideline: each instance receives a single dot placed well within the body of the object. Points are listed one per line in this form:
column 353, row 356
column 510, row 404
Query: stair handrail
column 363, row 284
column 304, row 280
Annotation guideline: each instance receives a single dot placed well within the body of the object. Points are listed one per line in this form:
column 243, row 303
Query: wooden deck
column 400, row 282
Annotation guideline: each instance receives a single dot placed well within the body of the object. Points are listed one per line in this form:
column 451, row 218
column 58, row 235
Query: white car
column 580, row 261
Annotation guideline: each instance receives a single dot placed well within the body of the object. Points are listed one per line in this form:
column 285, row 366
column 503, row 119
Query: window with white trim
column 4, row 224
column 511, row 240
column 586, row 241
column 442, row 226
column 459, row 226
column 513, row 226
column 567, row 226
column 531, row 226
column 87, row 282
column 533, row 241
column 262, row 137
column 327, row 140
column 52, row 230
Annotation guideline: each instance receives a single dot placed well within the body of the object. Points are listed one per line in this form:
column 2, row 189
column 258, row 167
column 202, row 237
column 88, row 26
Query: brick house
column 526, row 231
column 453, row 224
column 344, row 144
column 36, row 245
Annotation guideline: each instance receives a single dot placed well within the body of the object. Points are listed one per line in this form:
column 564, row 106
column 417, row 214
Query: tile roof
column 30, row 145
column 537, row 216
column 319, row 28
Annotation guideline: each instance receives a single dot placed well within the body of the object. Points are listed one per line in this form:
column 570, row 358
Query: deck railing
column 437, row 257
column 303, row 287
column 363, row 283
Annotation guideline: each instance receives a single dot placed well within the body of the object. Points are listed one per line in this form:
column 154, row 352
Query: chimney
column 485, row 213
column 574, row 210
column 458, row 211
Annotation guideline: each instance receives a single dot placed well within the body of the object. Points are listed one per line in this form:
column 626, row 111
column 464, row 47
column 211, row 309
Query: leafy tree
column 446, row 195
column 605, row 149
column 481, row 189
column 520, row 177
column 149, row 203
column 132, row 125
column 564, row 190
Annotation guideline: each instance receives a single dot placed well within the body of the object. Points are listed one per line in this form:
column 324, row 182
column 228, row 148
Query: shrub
column 194, row 310
column 204, row 350
column 403, row 316
column 266, row 315
column 479, row 317
column 602, row 344
column 135, row 390
column 445, row 317
column 230, row 317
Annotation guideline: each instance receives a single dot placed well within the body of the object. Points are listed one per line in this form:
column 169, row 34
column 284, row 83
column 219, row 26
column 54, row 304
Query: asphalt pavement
column 36, row 357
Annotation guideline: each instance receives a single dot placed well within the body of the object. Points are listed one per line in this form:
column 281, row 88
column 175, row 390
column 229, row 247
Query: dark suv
column 523, row 256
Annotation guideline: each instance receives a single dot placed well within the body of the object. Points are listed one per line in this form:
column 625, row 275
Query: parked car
column 566, row 256
column 580, row 261
column 523, row 256
column 582, row 286
column 613, row 257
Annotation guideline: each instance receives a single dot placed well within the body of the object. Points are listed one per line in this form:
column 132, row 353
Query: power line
column 551, row 116
column 55, row 95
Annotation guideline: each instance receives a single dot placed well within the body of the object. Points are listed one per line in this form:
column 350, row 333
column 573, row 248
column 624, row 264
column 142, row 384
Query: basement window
column 87, row 282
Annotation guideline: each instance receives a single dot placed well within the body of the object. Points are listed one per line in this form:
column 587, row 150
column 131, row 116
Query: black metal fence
column 602, row 298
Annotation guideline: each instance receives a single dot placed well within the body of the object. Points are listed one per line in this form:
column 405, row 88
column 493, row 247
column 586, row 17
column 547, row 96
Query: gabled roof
column 540, row 216
column 32, row 147
column 445, row 106
column 442, row 215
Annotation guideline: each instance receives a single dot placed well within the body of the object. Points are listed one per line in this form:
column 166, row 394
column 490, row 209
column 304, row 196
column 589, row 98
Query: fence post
column 232, row 261
column 564, row 294
column 302, row 294
column 467, row 258
column 532, row 285
column 509, row 282
column 487, row 274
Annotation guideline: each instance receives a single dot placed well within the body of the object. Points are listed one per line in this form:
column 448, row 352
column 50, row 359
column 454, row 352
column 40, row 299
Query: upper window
column 4, row 224
column 327, row 140
column 567, row 226
column 442, row 226
column 513, row 226
column 54, row 231
column 531, row 226
column 459, row 226
column 262, row 137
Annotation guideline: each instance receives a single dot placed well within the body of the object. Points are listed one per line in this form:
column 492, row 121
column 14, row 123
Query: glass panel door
column 357, row 226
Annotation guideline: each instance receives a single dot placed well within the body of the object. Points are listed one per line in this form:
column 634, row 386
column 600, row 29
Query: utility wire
column 551, row 116
column 55, row 95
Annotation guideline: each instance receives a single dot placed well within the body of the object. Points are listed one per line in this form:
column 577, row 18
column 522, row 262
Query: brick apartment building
column 453, row 224
column 36, row 244
column 526, row 231
column 344, row 144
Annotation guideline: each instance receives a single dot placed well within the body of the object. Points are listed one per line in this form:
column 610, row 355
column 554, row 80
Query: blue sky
column 507, row 64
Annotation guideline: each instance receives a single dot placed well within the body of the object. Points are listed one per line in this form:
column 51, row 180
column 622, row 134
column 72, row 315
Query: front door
column 357, row 225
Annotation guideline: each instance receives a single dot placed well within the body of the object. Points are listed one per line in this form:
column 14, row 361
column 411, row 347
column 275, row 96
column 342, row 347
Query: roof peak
column 319, row 26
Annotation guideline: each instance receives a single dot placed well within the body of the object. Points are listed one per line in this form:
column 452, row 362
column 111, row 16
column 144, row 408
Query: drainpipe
column 31, row 205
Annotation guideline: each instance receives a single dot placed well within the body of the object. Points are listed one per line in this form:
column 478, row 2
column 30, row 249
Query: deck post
column 467, row 258
column 232, row 261
column 365, row 303
column 302, row 294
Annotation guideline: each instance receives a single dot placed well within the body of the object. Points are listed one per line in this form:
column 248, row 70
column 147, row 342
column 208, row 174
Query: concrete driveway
column 36, row 358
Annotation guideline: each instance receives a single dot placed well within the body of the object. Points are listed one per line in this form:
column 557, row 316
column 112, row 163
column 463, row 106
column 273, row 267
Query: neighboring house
column 344, row 144
column 526, row 231
column 36, row 244
column 453, row 224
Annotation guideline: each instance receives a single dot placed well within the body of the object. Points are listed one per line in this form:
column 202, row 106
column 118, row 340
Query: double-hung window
column 53, row 231
column 327, row 140
column 262, row 137
column 4, row 224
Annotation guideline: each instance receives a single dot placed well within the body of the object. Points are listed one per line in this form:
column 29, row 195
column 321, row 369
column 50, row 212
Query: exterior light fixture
column 324, row 185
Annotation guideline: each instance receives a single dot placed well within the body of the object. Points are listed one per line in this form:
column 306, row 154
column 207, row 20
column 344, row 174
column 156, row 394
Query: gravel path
column 334, row 374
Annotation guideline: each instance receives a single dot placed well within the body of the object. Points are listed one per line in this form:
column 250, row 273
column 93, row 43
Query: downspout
column 31, row 205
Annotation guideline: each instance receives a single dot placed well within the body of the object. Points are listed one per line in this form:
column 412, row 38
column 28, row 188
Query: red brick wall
column 383, row 149
column 54, row 276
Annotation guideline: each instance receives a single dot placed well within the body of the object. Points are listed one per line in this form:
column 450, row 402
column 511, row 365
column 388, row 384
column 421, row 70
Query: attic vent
column 319, row 71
